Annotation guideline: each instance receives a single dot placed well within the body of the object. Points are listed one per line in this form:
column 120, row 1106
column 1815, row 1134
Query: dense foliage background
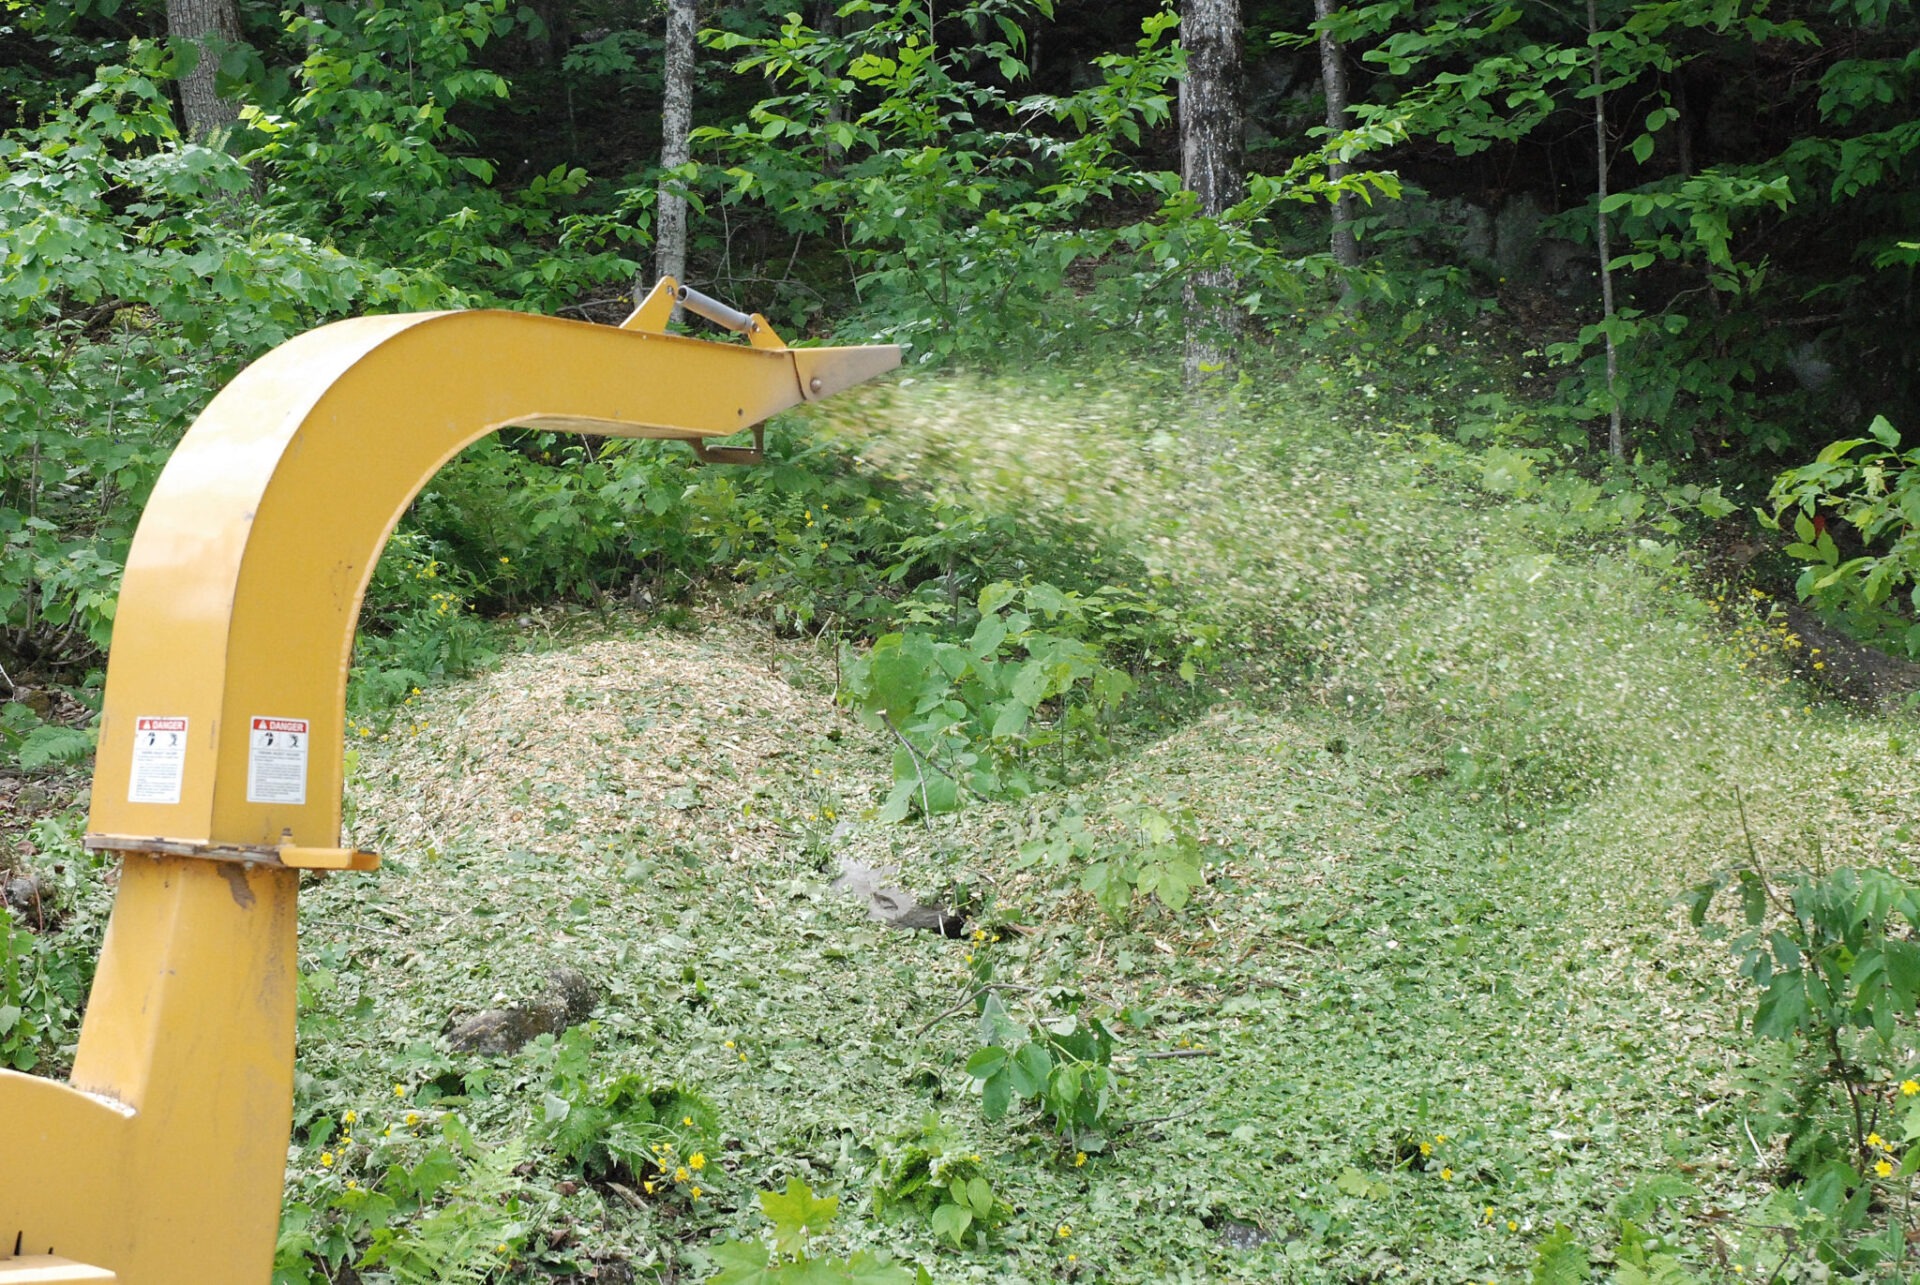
column 1498, row 289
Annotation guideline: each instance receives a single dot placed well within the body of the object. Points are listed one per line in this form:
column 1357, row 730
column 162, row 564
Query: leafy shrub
column 1872, row 486
column 125, row 293
column 929, row 1177
column 1835, row 958
column 1061, row 1062
column 47, row 958
column 798, row 1217
column 368, row 150
column 968, row 715
column 32, row 744
column 421, row 1199
column 619, row 1125
column 1154, row 853
column 1837, row 967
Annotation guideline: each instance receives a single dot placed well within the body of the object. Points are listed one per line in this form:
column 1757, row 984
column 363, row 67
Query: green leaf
column 797, row 1214
column 986, row 1062
column 1355, row 1183
column 1030, row 1068
column 987, row 636
column 980, row 1197
column 1560, row 1260
column 1903, row 969
column 951, row 1220
column 868, row 1268
column 996, row 1095
column 995, row 596
column 1783, row 1008
column 744, row 1263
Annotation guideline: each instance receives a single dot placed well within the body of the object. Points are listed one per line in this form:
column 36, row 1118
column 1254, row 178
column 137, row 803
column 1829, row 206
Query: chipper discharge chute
column 218, row 774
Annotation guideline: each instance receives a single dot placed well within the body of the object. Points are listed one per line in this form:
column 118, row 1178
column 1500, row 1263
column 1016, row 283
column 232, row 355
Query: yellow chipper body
column 218, row 775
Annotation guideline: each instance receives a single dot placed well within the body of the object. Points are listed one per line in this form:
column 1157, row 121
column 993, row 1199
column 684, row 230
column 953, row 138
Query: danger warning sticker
column 159, row 760
column 277, row 760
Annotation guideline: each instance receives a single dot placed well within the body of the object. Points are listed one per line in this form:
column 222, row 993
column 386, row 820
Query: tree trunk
column 212, row 27
column 1333, row 75
column 827, row 23
column 676, row 123
column 1616, row 433
column 1213, row 131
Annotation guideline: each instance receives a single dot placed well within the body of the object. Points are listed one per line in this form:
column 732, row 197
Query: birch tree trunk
column 1616, row 433
column 213, row 27
column 1213, row 132
column 676, row 123
column 1333, row 76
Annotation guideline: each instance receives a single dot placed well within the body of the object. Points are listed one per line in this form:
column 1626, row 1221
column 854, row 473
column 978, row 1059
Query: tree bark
column 1616, row 432
column 676, row 123
column 1213, row 132
column 1333, row 76
column 212, row 27
column 827, row 23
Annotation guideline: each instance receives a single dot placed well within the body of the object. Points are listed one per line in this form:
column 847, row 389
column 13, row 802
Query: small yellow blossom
column 680, row 1174
column 1875, row 1140
column 413, row 1118
column 1884, row 1169
column 1512, row 1225
column 727, row 1045
column 1909, row 1087
column 696, row 1193
column 648, row 1186
column 696, row 1161
column 687, row 1120
column 352, row 1185
column 1426, row 1148
column 326, row 1159
column 399, row 1090
column 349, row 1117
column 1079, row 1158
column 1446, row 1175
column 1065, row 1230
